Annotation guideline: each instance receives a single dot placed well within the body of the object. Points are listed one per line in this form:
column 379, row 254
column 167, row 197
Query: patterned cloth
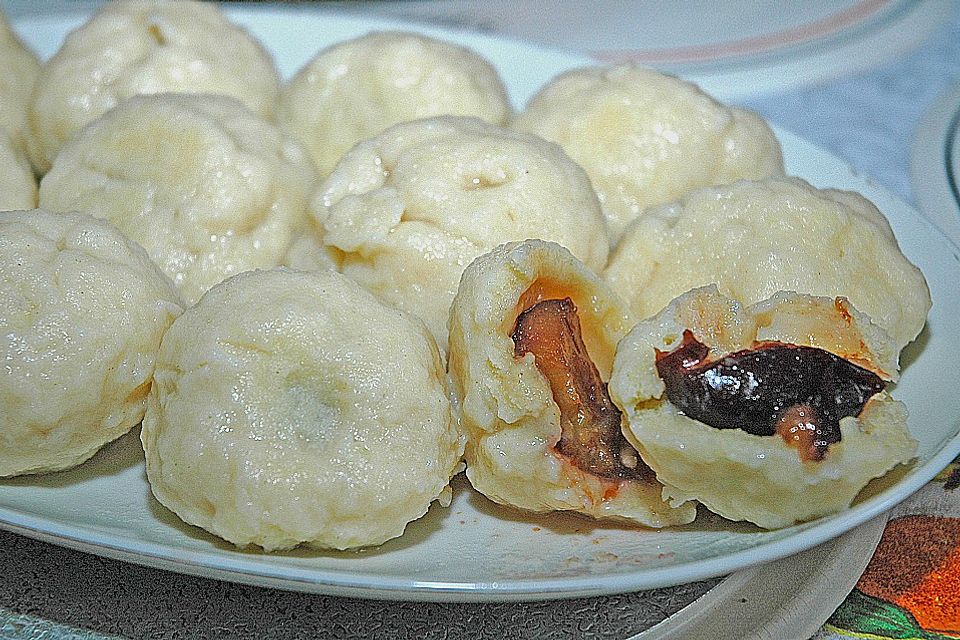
column 911, row 588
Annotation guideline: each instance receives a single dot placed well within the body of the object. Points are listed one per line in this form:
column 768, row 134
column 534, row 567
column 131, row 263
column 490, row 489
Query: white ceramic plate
column 475, row 550
column 935, row 163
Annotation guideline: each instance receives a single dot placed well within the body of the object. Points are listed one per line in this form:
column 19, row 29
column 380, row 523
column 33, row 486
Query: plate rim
column 933, row 150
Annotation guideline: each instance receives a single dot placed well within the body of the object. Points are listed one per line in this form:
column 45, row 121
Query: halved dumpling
column 774, row 413
column 533, row 334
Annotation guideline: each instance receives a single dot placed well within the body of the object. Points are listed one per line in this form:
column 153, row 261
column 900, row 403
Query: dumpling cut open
column 532, row 339
column 775, row 413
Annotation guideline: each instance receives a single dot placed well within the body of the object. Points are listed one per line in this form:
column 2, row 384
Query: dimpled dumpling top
column 140, row 47
column 772, row 474
column 404, row 213
column 645, row 138
column 18, row 71
column 756, row 238
column 18, row 187
column 532, row 338
column 82, row 311
column 206, row 186
column 355, row 89
column 292, row 407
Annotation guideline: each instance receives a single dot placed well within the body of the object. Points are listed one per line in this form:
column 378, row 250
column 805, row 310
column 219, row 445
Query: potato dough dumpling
column 18, row 187
column 18, row 71
column 774, row 413
column 355, row 89
column 82, row 311
column 645, row 138
column 144, row 47
column 292, row 407
column 532, row 339
column 753, row 239
column 206, row 186
column 404, row 213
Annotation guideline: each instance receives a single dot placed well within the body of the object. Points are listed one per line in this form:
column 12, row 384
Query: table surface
column 46, row 591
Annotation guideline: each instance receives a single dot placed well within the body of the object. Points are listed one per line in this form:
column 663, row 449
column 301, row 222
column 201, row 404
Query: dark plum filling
column 590, row 423
column 799, row 392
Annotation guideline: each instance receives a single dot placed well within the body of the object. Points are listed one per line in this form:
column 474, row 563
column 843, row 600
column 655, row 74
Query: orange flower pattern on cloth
column 911, row 588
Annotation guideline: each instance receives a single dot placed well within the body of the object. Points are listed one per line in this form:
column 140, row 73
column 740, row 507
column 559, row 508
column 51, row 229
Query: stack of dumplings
column 325, row 297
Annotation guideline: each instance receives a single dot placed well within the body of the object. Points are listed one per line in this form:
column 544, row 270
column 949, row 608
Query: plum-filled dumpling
column 82, row 313
column 18, row 71
column 405, row 212
column 205, row 185
column 532, row 339
column 754, row 238
column 775, row 413
column 18, row 187
column 355, row 89
column 293, row 408
column 646, row 138
column 142, row 47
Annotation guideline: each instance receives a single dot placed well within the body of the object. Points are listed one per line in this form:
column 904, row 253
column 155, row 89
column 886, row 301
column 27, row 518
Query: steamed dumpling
column 645, row 138
column 533, row 334
column 405, row 212
column 205, row 185
column 139, row 47
column 82, row 312
column 355, row 89
column 18, row 71
column 774, row 413
column 293, row 408
column 753, row 239
column 18, row 187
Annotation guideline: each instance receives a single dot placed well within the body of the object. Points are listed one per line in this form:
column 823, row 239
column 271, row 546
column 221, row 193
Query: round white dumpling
column 82, row 312
column 532, row 339
column 18, row 186
column 775, row 413
column 404, row 213
column 753, row 239
column 645, row 138
column 18, row 71
column 143, row 47
column 206, row 186
column 293, row 407
column 356, row 89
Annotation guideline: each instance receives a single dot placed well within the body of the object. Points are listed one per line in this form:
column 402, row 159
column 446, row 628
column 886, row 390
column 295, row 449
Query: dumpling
column 82, row 312
column 646, row 138
column 143, row 47
column 355, row 89
column 205, row 185
column 18, row 187
column 753, row 239
column 293, row 408
column 18, row 71
column 532, row 338
column 405, row 212
column 774, row 413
